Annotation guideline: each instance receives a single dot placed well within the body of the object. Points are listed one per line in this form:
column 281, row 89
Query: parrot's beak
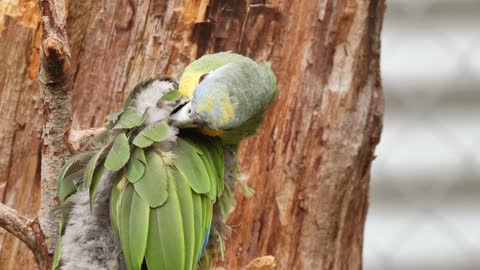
column 183, row 118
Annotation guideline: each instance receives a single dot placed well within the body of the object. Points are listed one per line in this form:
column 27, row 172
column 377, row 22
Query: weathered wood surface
column 20, row 121
column 310, row 163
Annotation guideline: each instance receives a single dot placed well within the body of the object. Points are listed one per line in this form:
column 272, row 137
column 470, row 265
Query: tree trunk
column 20, row 121
column 310, row 162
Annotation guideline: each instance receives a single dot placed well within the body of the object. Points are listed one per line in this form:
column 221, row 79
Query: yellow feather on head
column 188, row 83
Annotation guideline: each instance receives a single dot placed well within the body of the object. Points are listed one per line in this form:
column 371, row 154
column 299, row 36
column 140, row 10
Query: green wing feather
column 199, row 236
column 216, row 153
column 119, row 153
column 212, row 175
column 64, row 172
column 115, row 202
column 138, row 229
column 129, row 119
column 189, row 163
column 166, row 242
column 124, row 223
column 97, row 176
column 185, row 199
column 154, row 133
column 71, row 175
column 58, row 247
column 69, row 185
column 135, row 170
column 152, row 187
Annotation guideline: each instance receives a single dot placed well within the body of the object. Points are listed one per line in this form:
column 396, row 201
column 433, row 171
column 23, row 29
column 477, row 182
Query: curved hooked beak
column 185, row 118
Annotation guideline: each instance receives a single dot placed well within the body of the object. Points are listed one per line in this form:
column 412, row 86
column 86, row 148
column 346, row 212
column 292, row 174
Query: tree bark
column 55, row 88
column 310, row 162
column 20, row 121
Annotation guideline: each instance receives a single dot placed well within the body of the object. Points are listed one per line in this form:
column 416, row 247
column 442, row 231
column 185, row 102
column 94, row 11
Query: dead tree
column 309, row 164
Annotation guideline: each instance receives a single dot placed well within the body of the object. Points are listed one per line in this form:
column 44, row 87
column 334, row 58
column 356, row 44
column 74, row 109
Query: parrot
column 157, row 185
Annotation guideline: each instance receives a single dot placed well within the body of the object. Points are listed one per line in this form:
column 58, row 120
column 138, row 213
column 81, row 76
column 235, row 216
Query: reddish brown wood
column 20, row 121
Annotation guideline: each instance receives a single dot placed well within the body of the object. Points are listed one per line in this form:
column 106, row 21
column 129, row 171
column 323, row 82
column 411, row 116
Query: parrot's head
column 227, row 93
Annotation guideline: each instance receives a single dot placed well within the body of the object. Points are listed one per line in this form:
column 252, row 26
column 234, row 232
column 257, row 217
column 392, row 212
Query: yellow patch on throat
column 188, row 83
column 211, row 132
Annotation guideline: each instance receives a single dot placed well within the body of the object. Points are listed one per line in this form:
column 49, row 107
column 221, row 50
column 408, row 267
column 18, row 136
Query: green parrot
column 156, row 190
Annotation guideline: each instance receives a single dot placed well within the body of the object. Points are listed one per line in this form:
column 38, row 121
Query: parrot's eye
column 202, row 77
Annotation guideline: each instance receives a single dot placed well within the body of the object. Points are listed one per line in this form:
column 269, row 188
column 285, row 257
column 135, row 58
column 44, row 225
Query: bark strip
column 55, row 86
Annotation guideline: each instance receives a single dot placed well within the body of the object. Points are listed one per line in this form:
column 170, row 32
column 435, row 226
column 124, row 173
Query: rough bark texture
column 20, row 121
column 55, row 87
column 311, row 161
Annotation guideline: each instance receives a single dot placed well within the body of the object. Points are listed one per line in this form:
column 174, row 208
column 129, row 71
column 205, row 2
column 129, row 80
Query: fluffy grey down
column 89, row 242
column 147, row 100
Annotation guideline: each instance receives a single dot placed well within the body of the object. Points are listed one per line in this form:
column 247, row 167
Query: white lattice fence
column 425, row 198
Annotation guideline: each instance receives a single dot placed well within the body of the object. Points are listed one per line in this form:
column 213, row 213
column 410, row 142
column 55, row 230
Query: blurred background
column 425, row 189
